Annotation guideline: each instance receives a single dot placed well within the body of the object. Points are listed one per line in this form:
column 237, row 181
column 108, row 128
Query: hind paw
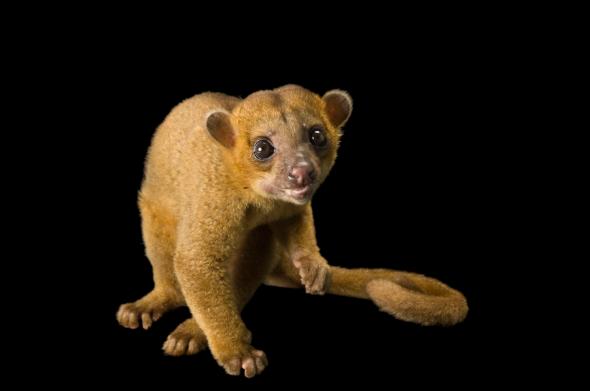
column 187, row 339
column 145, row 311
column 132, row 316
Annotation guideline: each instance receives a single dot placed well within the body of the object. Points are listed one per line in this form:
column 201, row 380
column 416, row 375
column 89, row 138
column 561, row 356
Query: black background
column 415, row 187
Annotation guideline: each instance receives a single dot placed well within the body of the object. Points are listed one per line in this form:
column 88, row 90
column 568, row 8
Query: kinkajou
column 225, row 207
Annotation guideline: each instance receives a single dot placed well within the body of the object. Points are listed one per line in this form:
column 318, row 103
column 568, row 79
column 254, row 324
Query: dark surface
column 414, row 188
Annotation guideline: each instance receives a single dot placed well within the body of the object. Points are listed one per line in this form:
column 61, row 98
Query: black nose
column 302, row 175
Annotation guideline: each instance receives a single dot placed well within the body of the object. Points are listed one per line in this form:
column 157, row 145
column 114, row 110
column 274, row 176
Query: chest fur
column 262, row 214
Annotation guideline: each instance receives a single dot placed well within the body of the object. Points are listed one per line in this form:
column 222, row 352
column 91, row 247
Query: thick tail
column 407, row 296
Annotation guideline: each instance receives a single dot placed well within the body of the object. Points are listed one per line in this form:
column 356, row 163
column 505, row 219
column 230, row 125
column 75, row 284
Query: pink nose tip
column 302, row 175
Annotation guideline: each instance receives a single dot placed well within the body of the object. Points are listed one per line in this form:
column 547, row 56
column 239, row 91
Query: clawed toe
column 131, row 317
column 253, row 363
column 183, row 344
column 314, row 276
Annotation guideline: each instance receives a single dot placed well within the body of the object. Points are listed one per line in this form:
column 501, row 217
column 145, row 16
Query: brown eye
column 317, row 136
column 263, row 149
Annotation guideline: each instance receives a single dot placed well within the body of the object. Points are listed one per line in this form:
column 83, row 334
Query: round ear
column 338, row 107
column 219, row 127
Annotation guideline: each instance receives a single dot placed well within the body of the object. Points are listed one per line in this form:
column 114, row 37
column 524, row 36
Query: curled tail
column 407, row 296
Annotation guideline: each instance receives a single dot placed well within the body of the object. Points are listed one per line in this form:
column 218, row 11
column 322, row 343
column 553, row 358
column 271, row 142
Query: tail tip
column 414, row 306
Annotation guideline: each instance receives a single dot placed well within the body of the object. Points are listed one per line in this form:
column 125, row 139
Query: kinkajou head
column 284, row 140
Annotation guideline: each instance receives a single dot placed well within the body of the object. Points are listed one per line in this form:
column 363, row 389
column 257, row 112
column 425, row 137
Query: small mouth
column 299, row 193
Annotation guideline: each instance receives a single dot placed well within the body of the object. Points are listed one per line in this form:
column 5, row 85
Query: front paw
column 251, row 360
column 315, row 275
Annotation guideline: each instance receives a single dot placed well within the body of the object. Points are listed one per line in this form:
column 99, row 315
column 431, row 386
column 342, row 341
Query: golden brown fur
column 217, row 222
